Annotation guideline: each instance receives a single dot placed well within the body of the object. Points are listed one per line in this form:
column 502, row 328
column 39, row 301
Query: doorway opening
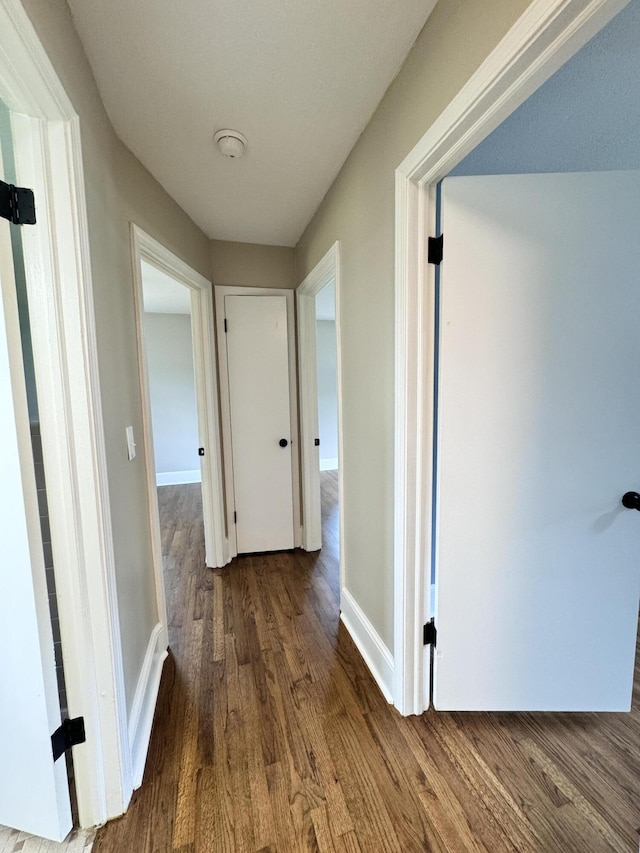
column 30, row 604
column 162, row 280
column 58, row 281
column 174, row 416
column 478, row 111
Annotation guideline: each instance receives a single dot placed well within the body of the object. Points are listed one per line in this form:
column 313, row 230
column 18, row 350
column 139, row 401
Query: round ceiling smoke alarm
column 231, row 143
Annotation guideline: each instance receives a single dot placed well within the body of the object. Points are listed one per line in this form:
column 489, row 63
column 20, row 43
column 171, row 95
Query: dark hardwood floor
column 270, row 734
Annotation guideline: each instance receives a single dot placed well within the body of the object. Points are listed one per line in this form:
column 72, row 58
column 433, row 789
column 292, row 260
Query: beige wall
column 252, row 265
column 358, row 210
column 119, row 190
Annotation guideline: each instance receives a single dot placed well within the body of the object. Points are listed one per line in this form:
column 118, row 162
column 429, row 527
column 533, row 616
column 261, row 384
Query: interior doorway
column 173, row 286
column 174, row 417
column 57, row 277
column 416, row 212
column 29, row 625
column 318, row 304
column 170, row 282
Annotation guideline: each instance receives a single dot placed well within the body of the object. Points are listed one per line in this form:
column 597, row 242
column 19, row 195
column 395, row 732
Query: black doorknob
column 631, row 500
column 283, row 443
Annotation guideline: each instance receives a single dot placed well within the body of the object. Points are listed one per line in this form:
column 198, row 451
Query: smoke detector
column 231, row 143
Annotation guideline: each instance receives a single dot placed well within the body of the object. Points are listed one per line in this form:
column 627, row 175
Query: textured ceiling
column 300, row 78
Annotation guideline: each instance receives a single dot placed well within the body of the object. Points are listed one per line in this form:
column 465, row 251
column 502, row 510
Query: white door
column 538, row 563
column 34, row 792
column 260, row 407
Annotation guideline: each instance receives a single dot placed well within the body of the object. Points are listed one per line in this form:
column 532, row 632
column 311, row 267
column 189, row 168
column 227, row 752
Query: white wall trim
column 178, row 478
column 58, row 268
column 329, row 465
column 326, row 270
column 144, row 702
column 546, row 35
column 220, row 292
column 375, row 654
column 144, row 247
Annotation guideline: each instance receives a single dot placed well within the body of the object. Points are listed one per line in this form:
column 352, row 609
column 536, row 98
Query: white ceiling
column 163, row 294
column 300, row 78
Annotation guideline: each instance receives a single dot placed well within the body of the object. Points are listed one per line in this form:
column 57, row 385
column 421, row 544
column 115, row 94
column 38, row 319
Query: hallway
column 270, row 734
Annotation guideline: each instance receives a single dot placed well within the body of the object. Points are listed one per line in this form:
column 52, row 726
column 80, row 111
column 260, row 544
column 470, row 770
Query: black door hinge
column 434, row 251
column 316, row 441
column 69, row 734
column 17, row 204
column 429, row 633
column 235, row 517
column 225, row 325
column 201, row 451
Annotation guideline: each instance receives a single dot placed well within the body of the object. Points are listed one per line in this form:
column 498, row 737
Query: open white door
column 538, row 563
column 260, row 407
column 34, row 791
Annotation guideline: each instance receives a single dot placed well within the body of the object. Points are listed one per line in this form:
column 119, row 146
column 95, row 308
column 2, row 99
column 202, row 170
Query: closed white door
column 260, row 409
column 538, row 562
column 34, row 792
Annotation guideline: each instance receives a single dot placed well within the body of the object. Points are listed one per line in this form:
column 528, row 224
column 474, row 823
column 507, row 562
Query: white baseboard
column 329, row 464
column 376, row 655
column 178, row 478
column 144, row 702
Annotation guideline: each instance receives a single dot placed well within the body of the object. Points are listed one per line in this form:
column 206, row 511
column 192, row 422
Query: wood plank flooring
column 270, row 734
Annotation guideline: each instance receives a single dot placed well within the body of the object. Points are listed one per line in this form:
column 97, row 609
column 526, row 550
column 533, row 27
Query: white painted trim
column 309, row 422
column 546, row 35
column 178, row 478
column 220, row 292
column 144, row 247
column 326, row 270
column 374, row 652
column 329, row 464
column 58, row 268
column 144, row 702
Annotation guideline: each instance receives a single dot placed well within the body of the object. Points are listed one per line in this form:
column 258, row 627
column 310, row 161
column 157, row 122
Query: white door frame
column 547, row 34
column 325, row 271
column 46, row 132
column 146, row 248
column 231, row 544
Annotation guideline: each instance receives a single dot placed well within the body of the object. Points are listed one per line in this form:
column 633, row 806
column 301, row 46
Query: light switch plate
column 131, row 444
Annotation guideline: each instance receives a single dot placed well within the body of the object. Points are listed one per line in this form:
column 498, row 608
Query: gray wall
column 252, row 265
column 358, row 210
column 327, row 388
column 173, row 393
column 585, row 118
column 119, row 190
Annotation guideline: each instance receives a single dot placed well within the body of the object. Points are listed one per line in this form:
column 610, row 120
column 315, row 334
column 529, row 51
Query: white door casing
column 309, row 423
column 34, row 791
column 260, row 412
column 538, row 563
